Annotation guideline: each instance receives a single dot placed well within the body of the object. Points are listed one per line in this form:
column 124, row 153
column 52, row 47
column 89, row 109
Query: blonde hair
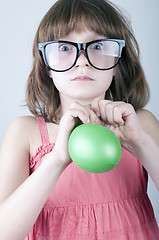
column 128, row 84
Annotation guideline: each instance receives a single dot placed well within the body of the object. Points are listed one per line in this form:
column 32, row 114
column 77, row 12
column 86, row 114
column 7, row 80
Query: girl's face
column 82, row 83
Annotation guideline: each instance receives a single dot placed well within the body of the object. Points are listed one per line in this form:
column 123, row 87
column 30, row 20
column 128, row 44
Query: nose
column 82, row 60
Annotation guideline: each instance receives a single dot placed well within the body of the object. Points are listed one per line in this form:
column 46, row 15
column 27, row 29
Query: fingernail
column 86, row 120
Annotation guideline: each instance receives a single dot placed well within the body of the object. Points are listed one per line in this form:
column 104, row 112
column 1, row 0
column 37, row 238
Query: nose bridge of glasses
column 81, row 46
column 82, row 49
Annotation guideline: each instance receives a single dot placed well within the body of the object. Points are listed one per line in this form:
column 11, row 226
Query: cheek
column 56, row 78
column 106, row 77
column 61, row 82
column 58, row 84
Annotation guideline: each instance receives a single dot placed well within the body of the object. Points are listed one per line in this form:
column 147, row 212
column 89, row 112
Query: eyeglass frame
column 79, row 47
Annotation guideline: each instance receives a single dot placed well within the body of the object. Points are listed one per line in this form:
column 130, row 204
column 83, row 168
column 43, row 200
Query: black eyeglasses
column 61, row 56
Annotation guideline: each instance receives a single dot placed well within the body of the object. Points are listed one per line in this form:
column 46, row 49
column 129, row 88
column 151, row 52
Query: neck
column 67, row 101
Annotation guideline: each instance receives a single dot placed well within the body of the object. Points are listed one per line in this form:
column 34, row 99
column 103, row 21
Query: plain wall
column 18, row 23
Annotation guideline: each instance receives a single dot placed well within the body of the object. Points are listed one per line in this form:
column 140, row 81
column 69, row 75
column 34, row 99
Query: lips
column 83, row 78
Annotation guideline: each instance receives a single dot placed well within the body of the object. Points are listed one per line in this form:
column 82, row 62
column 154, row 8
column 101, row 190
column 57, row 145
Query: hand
column 75, row 115
column 121, row 118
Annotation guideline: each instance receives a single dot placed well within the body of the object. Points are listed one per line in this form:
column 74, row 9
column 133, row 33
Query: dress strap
column 43, row 130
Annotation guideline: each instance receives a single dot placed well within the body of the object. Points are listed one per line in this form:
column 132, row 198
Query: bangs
column 62, row 19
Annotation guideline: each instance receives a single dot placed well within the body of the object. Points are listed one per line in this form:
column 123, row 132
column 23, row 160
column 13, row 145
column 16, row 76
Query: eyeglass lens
column 61, row 56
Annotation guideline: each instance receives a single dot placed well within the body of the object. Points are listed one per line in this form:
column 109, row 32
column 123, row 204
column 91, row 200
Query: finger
column 92, row 116
column 78, row 106
column 127, row 111
column 112, row 112
column 82, row 114
column 80, row 111
column 103, row 112
column 118, row 115
column 95, row 106
column 121, row 111
column 70, row 118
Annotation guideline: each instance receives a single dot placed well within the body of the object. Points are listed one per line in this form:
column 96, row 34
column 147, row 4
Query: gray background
column 18, row 23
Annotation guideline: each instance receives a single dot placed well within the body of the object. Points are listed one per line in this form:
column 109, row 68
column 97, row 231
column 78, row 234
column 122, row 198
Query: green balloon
column 94, row 148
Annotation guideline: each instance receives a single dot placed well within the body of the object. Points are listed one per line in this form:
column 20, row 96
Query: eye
column 97, row 46
column 64, row 47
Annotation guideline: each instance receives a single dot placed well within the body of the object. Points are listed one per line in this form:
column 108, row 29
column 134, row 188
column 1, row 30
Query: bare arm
column 147, row 147
column 21, row 209
column 22, row 196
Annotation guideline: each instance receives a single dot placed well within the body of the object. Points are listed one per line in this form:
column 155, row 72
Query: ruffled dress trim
column 40, row 153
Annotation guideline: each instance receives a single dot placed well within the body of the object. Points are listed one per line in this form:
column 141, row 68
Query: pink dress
column 88, row 206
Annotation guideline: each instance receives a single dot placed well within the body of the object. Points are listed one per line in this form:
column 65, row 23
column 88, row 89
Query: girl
column 84, row 54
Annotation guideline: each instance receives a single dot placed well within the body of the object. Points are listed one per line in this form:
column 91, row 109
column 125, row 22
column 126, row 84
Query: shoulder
column 21, row 131
column 23, row 121
column 146, row 117
column 23, row 125
column 149, row 123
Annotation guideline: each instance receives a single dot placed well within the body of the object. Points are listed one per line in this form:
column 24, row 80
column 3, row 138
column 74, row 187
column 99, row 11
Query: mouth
column 83, row 79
